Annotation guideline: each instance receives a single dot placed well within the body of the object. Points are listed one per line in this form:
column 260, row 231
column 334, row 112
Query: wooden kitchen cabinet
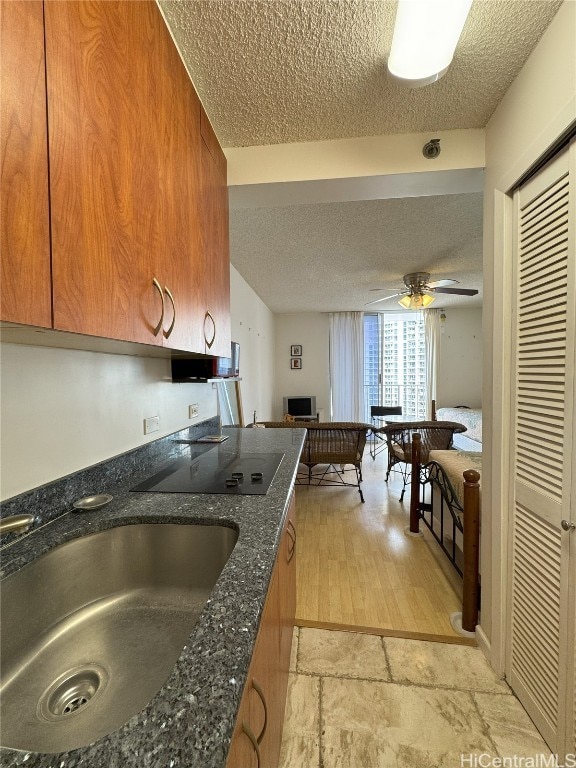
column 106, row 150
column 258, row 732
column 287, row 580
column 25, row 245
column 215, row 243
column 125, row 175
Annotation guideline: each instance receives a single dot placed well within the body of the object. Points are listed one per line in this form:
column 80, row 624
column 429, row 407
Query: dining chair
column 434, row 435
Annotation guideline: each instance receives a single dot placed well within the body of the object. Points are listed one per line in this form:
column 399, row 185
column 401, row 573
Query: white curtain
column 432, row 336
column 347, row 366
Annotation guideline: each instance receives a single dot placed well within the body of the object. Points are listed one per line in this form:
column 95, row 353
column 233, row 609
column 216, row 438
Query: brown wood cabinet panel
column 125, row 167
column 241, row 753
column 287, row 579
column 267, row 672
column 264, row 698
column 211, row 141
column 25, row 276
column 216, row 248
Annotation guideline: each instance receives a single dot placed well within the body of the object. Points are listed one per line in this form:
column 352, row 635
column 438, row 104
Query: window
column 395, row 362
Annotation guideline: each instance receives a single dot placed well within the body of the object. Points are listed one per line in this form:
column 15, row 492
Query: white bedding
column 454, row 464
column 471, row 440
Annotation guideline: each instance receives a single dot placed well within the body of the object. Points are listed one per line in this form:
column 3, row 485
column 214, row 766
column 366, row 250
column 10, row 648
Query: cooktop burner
column 207, row 470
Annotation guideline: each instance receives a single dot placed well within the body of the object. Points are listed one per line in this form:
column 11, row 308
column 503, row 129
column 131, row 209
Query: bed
column 447, row 499
column 454, row 464
column 472, row 420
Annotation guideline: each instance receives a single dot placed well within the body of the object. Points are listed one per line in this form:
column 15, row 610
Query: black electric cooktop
column 208, row 470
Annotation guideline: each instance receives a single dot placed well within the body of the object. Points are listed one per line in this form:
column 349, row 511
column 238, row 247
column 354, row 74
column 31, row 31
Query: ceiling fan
column 418, row 290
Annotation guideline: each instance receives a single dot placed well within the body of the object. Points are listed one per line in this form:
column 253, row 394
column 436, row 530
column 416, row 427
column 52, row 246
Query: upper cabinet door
column 215, row 239
column 125, row 172
column 25, row 278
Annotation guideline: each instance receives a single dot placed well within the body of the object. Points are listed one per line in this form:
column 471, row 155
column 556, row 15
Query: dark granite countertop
column 189, row 722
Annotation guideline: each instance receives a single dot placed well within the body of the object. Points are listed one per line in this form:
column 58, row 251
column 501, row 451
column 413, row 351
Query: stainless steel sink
column 92, row 629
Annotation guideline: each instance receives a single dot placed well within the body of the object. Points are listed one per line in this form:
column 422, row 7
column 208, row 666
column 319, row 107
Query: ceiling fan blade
column 384, row 298
column 441, row 283
column 459, row 291
column 374, row 290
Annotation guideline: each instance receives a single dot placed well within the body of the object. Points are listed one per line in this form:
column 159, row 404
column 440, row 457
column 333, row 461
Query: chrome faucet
column 16, row 524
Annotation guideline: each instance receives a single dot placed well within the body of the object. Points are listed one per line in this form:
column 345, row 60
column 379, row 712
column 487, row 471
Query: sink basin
column 92, row 629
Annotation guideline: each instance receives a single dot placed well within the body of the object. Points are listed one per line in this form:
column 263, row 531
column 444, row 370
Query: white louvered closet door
column 541, row 657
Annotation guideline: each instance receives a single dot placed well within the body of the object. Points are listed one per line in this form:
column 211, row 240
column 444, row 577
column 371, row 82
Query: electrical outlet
column 193, row 411
column 151, row 425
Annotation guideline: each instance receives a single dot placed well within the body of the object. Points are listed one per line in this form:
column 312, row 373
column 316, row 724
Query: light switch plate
column 151, row 425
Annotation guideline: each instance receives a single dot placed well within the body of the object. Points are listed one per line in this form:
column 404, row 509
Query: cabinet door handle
column 291, row 533
column 157, row 285
column 209, row 343
column 248, row 731
column 260, row 693
column 169, row 331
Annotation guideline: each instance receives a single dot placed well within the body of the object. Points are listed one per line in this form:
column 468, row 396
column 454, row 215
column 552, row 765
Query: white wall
column 460, row 363
column 356, row 157
column 538, row 107
column 460, row 359
column 64, row 410
column 310, row 330
column 253, row 327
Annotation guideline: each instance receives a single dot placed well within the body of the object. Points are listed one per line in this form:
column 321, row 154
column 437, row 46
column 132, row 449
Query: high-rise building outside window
column 395, row 362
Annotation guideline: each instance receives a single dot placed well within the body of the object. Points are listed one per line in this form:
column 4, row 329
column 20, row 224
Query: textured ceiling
column 328, row 257
column 273, row 71
column 282, row 71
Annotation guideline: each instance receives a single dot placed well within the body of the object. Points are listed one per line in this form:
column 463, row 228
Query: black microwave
column 204, row 368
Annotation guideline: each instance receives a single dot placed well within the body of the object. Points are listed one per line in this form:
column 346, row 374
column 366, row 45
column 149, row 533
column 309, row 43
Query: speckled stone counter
column 189, row 722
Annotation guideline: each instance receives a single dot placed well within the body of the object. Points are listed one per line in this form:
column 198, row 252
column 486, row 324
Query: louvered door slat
column 542, row 321
column 548, row 373
column 531, row 429
column 549, row 457
column 536, row 576
column 552, row 239
column 542, row 240
column 559, row 190
column 541, row 199
column 551, row 313
column 545, row 397
column 546, row 343
column 555, row 298
column 549, row 261
column 542, row 397
column 544, row 479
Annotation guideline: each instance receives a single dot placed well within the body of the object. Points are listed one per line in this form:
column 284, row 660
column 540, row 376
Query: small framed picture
column 296, row 351
column 296, row 362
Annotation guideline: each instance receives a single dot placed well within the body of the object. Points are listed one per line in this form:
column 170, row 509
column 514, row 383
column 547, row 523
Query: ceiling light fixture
column 416, row 301
column 426, row 33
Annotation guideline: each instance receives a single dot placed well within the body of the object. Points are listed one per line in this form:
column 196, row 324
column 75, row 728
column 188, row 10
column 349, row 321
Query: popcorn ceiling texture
column 327, row 258
column 281, row 71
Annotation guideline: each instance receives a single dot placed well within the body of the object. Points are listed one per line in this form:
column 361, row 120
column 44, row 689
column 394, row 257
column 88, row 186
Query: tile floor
column 363, row 701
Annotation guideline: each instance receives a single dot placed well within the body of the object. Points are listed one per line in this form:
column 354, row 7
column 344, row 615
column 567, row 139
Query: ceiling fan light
column 427, row 300
column 426, row 33
column 416, row 301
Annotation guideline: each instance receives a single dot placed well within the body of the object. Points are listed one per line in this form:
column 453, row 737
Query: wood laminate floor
column 356, row 568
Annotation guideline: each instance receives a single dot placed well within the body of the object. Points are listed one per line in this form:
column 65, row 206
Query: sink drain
column 72, row 692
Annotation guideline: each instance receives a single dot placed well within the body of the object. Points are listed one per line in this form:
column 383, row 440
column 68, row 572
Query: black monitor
column 300, row 405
